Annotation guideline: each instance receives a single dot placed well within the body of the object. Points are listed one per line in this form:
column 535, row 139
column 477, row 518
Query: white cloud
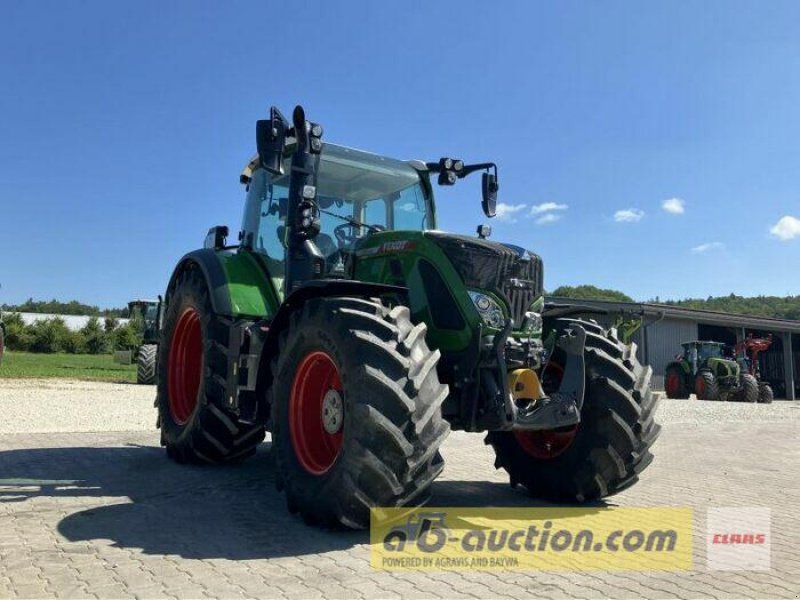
column 787, row 228
column 707, row 247
column 674, row 206
column 544, row 207
column 548, row 218
column 628, row 215
column 506, row 212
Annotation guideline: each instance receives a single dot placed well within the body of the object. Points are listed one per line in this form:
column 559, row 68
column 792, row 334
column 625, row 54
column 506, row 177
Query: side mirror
column 271, row 141
column 489, row 188
column 216, row 237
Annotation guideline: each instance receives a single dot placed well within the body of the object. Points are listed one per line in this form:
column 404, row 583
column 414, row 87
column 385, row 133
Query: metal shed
column 665, row 327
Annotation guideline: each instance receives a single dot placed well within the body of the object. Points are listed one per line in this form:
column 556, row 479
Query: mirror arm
column 469, row 169
column 435, row 167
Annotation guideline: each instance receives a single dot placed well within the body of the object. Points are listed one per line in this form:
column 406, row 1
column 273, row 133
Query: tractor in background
column 357, row 333
column 2, row 339
column 147, row 313
column 747, row 352
column 704, row 369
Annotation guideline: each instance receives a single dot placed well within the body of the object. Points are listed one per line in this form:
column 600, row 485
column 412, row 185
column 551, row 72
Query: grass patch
column 91, row 367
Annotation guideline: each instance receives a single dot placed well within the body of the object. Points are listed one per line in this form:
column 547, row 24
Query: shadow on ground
column 145, row 501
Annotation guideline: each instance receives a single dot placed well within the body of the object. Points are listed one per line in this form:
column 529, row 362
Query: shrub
column 48, row 335
column 94, row 337
column 126, row 337
column 73, row 342
column 18, row 336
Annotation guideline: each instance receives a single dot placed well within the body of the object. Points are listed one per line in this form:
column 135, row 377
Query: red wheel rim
column 700, row 387
column 673, row 383
column 316, row 435
column 185, row 367
column 549, row 444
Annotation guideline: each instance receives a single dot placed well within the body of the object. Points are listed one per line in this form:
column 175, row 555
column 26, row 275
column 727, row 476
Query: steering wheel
column 345, row 234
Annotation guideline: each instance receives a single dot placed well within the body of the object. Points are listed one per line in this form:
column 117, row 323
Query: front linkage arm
column 561, row 408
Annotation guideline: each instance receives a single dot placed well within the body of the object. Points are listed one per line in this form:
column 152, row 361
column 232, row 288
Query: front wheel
column 765, row 394
column 749, row 389
column 356, row 411
column 706, row 386
column 675, row 384
column 146, row 364
column 610, row 447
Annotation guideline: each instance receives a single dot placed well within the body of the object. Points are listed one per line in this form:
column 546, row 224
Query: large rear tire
column 706, row 386
column 611, row 445
column 675, row 383
column 356, row 411
column 146, row 364
column 196, row 426
column 765, row 394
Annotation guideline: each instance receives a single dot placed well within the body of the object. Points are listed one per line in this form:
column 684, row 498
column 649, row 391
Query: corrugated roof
column 708, row 317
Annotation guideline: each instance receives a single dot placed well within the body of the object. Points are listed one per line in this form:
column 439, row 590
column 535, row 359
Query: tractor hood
column 510, row 272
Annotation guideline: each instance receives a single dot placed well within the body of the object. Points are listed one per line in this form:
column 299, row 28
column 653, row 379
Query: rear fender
column 238, row 284
column 262, row 337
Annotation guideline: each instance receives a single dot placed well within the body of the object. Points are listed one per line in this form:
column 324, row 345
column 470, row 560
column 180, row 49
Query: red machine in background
column 747, row 352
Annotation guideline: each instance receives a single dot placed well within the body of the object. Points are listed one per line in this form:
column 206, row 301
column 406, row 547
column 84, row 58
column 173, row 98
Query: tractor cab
column 146, row 312
column 357, row 194
column 699, row 353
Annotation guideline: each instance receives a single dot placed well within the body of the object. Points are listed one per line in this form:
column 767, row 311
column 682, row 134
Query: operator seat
column 323, row 241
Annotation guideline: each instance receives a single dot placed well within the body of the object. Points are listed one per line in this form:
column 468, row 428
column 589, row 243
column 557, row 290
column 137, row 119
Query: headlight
column 488, row 309
column 533, row 322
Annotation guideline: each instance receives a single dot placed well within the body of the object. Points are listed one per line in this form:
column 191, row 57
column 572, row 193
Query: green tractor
column 148, row 314
column 704, row 370
column 2, row 339
column 345, row 324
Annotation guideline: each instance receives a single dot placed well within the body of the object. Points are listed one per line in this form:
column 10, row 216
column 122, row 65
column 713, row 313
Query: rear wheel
column 610, row 447
column 765, row 395
column 356, row 411
column 146, row 364
column 195, row 424
column 749, row 389
column 675, row 383
column 706, row 386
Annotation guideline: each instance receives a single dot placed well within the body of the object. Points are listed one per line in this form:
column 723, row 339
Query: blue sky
column 124, row 126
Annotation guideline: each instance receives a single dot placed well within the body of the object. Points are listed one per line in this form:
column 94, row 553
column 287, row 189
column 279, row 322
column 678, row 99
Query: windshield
column 379, row 192
column 357, row 193
column 706, row 351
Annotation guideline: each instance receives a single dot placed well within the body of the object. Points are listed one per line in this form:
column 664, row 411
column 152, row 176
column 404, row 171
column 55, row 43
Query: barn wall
column 661, row 341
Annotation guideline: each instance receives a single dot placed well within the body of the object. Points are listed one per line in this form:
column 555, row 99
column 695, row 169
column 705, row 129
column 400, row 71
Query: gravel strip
column 60, row 405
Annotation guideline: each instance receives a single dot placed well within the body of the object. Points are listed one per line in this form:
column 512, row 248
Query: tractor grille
column 511, row 272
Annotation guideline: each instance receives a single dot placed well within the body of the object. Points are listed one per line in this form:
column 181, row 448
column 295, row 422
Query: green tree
column 95, row 339
column 73, row 342
column 48, row 335
column 18, row 337
column 590, row 292
column 126, row 337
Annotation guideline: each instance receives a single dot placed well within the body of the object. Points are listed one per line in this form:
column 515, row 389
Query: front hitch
column 561, row 408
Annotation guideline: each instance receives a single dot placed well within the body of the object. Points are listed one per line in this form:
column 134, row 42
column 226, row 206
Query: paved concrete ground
column 90, row 513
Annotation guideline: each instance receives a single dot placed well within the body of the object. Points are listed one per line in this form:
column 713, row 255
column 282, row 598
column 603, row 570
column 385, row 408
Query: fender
column 253, row 342
column 239, row 285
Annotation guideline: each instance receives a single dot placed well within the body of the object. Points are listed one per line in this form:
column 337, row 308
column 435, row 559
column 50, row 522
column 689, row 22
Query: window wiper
column 352, row 222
